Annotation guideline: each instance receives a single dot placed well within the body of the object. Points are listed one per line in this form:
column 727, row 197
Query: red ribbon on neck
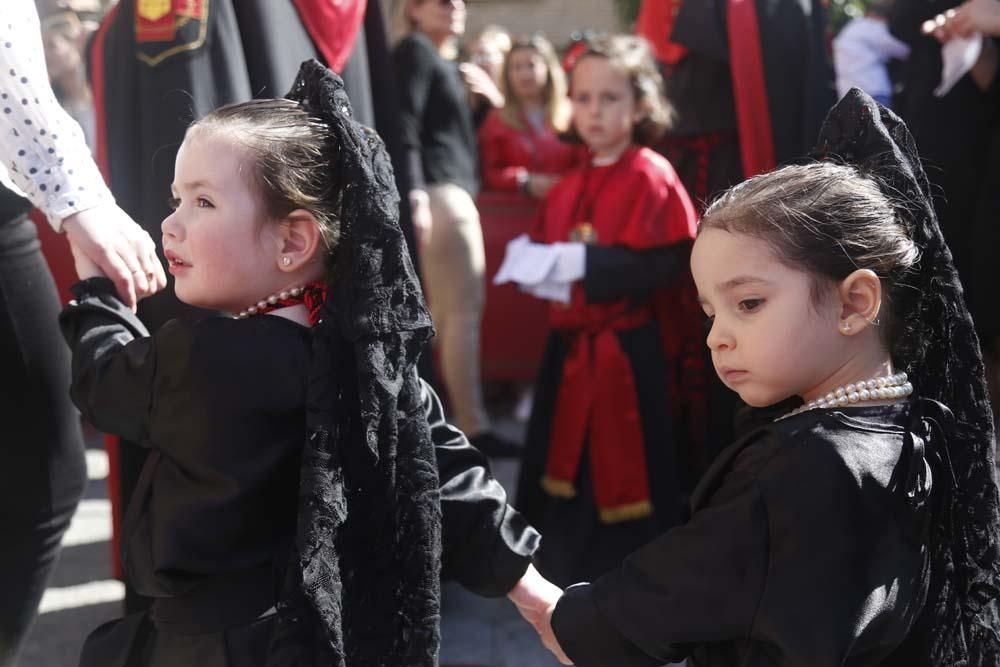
column 313, row 296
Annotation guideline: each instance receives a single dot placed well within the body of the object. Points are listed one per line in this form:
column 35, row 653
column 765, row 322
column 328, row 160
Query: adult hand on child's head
column 106, row 240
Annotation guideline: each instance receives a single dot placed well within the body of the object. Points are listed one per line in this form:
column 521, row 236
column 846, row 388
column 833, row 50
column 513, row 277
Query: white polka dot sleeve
column 41, row 147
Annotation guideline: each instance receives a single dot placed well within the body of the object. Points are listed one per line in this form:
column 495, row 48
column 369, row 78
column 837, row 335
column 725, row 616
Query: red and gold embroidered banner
column 164, row 28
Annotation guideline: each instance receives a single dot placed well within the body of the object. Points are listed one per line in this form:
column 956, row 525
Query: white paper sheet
column 958, row 55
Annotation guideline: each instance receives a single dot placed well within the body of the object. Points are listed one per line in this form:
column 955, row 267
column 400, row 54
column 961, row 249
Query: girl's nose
column 718, row 338
column 170, row 227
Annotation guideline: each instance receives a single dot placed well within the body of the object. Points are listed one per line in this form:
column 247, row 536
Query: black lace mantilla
column 960, row 623
column 362, row 586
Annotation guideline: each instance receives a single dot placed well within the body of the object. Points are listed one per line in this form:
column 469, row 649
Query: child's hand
column 544, row 628
column 535, row 598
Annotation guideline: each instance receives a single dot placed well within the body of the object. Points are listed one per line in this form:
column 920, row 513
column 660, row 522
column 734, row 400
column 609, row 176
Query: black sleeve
column 480, row 110
column 697, row 583
column 414, row 66
column 615, row 272
column 113, row 360
column 487, row 543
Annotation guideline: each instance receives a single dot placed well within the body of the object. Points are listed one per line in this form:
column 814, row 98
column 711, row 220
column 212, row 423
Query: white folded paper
column 544, row 270
column 958, row 55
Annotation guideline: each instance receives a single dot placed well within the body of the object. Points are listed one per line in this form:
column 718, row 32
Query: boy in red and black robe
column 599, row 477
column 750, row 82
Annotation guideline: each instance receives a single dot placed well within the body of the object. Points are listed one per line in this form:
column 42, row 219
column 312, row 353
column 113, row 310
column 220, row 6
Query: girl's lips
column 731, row 375
column 174, row 262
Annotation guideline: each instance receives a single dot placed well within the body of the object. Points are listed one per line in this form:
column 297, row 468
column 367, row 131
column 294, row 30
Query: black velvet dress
column 221, row 405
column 807, row 547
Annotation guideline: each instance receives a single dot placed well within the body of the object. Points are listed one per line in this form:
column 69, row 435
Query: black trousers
column 42, row 466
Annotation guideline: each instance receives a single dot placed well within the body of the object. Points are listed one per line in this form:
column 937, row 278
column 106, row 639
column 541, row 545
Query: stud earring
column 286, row 260
column 846, row 327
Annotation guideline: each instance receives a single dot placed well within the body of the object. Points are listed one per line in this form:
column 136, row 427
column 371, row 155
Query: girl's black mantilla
column 362, row 586
column 960, row 623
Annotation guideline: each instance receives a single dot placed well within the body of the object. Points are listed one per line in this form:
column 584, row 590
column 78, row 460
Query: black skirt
column 226, row 620
column 135, row 641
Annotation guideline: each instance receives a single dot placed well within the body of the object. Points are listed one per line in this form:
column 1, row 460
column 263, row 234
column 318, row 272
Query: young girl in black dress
column 858, row 525
column 303, row 492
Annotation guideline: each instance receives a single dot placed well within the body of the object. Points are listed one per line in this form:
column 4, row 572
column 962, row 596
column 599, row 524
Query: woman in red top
column 519, row 146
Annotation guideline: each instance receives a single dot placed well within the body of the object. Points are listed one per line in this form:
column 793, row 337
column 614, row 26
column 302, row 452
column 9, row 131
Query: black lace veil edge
column 960, row 623
column 367, row 434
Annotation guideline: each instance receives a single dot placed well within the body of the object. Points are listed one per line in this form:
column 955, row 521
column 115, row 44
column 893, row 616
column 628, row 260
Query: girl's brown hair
column 554, row 92
column 633, row 58
column 292, row 157
column 829, row 220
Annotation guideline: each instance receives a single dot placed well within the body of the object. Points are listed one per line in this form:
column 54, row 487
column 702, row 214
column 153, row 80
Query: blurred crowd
column 490, row 139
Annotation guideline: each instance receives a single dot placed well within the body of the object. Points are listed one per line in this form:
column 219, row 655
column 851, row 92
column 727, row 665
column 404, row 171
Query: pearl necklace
column 272, row 300
column 876, row 389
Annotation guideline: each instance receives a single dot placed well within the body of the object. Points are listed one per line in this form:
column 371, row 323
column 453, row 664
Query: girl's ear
column 861, row 298
column 298, row 240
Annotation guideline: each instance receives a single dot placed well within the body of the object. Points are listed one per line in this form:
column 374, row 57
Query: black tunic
column 959, row 139
column 436, row 124
column 797, row 71
column 801, row 551
column 221, row 403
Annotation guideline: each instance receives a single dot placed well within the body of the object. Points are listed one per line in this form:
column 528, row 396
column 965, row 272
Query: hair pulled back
column 292, row 156
column 829, row 220
column 634, row 59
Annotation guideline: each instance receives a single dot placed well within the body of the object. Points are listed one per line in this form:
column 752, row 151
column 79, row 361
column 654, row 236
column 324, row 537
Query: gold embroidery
column 584, row 232
column 193, row 9
column 153, row 10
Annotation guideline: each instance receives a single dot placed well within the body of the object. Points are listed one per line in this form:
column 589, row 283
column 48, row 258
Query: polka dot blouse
column 42, row 148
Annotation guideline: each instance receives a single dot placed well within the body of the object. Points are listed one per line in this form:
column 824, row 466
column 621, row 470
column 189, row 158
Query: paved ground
column 82, row 595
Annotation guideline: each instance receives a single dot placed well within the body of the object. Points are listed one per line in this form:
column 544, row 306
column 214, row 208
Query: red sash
column 750, row 88
column 597, row 403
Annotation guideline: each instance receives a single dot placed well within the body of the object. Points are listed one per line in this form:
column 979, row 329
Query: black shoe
column 493, row 446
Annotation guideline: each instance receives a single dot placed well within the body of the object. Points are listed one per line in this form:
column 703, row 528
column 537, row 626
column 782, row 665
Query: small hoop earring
column 286, row 260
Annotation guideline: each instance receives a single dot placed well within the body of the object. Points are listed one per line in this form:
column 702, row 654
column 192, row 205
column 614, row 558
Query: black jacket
column 803, row 550
column 222, row 404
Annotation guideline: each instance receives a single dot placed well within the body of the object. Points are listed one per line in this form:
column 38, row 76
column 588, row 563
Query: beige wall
column 556, row 18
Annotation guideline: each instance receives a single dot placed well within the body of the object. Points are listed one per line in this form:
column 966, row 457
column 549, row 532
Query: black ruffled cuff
column 518, row 541
column 98, row 297
column 93, row 287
